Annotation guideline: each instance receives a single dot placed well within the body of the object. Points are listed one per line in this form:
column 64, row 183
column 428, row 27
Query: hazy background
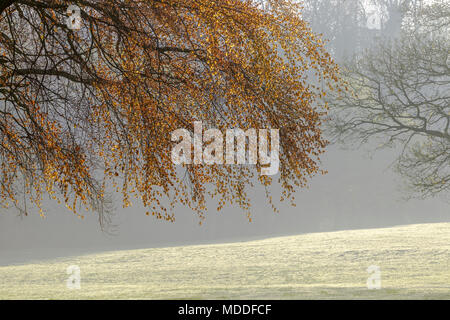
column 360, row 190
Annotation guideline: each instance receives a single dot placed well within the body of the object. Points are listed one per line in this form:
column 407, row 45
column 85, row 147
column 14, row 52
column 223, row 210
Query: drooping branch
column 88, row 111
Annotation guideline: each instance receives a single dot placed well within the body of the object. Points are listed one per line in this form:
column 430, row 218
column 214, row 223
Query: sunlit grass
column 414, row 262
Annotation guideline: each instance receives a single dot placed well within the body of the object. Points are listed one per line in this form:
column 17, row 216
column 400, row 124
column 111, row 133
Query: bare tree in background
column 345, row 23
column 393, row 12
column 400, row 94
column 342, row 23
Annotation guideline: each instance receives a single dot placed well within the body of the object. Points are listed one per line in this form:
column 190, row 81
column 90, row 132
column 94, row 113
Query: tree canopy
column 88, row 111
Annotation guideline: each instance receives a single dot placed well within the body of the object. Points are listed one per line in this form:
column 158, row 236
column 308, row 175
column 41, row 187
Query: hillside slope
column 414, row 261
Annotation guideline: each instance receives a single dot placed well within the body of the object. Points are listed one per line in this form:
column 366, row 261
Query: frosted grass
column 414, row 262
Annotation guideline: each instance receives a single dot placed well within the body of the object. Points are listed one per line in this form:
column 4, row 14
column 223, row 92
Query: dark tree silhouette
column 400, row 94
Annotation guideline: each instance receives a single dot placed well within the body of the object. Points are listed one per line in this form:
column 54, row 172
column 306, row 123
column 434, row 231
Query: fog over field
column 358, row 192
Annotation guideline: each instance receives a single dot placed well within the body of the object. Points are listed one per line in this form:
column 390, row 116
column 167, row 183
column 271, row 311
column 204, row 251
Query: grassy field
column 414, row 261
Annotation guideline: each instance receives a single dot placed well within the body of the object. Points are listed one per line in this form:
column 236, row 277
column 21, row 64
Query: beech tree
column 86, row 111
